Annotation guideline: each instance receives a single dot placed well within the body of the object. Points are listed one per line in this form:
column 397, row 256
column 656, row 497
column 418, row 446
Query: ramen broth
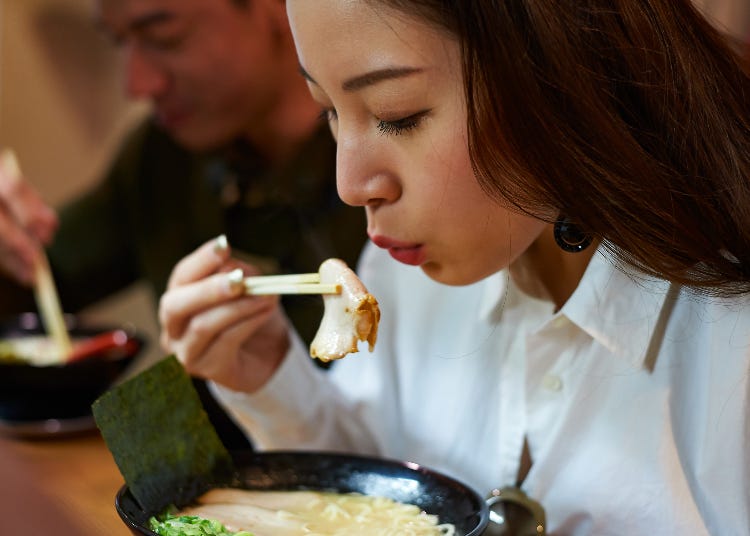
column 293, row 513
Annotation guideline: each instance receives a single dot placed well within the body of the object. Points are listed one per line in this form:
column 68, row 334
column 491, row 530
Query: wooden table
column 64, row 486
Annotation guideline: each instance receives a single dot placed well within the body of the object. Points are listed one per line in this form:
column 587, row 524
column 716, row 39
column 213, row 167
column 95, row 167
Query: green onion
column 170, row 525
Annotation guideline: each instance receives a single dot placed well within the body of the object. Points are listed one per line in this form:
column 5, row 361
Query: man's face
column 208, row 66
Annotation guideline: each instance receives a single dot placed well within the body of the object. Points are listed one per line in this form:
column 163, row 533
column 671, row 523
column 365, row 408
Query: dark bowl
column 31, row 395
column 405, row 482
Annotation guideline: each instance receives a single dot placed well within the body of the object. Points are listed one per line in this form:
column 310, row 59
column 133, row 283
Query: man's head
column 212, row 68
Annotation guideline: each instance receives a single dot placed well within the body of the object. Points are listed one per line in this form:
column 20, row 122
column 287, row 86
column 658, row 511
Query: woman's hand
column 26, row 222
column 214, row 329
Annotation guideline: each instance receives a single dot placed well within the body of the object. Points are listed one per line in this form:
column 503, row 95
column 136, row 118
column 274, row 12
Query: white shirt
column 633, row 397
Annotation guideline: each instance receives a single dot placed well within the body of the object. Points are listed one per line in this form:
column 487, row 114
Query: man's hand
column 26, row 222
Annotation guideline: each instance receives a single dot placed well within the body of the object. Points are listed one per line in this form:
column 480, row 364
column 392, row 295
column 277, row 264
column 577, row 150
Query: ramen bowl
column 405, row 482
column 57, row 398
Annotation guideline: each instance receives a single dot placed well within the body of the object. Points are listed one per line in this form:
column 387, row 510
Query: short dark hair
column 631, row 117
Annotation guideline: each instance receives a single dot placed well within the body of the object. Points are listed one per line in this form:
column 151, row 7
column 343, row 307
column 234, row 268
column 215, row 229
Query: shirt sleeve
column 300, row 408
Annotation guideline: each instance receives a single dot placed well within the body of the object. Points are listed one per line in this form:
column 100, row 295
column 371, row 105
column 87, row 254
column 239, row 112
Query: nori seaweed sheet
column 160, row 437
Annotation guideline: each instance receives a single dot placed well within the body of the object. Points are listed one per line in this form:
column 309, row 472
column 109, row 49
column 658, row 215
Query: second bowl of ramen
column 39, row 396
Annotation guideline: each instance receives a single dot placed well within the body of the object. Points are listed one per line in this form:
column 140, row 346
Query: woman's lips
column 407, row 253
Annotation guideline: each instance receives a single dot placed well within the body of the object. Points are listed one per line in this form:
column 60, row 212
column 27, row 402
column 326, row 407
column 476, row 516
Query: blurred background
column 63, row 111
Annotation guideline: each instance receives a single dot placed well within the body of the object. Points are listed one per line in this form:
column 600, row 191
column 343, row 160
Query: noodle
column 306, row 513
column 35, row 350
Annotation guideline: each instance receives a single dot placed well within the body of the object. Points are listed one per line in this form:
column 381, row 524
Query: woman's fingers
column 202, row 280
column 210, row 347
column 180, row 303
column 250, row 370
column 202, row 262
column 214, row 337
column 213, row 328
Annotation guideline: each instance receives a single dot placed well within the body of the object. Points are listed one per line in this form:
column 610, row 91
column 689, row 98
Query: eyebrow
column 150, row 19
column 140, row 23
column 370, row 78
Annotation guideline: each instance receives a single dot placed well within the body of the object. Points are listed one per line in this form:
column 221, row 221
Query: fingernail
column 236, row 281
column 221, row 244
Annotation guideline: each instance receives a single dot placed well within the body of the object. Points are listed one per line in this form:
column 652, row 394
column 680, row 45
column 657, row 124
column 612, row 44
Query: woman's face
column 393, row 89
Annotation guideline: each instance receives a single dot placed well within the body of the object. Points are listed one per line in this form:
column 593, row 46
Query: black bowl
column 405, row 482
column 31, row 395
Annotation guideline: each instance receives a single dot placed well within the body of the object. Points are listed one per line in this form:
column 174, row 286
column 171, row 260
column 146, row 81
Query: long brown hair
column 628, row 116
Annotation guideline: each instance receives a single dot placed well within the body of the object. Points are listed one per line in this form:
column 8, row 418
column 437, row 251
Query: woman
column 573, row 183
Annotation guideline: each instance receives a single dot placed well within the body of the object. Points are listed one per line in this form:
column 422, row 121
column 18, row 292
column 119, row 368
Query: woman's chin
column 452, row 275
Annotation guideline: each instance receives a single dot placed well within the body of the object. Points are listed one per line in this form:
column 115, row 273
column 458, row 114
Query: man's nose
column 143, row 77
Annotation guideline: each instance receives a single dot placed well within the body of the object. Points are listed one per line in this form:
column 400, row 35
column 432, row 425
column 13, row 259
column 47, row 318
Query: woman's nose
column 364, row 174
column 143, row 78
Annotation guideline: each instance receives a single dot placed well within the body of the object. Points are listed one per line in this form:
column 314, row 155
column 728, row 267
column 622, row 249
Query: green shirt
column 159, row 202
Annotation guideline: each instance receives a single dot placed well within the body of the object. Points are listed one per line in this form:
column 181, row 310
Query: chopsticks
column 288, row 284
column 48, row 303
column 45, row 291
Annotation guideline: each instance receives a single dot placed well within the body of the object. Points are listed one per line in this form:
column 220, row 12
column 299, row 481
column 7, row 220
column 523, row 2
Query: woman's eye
column 401, row 126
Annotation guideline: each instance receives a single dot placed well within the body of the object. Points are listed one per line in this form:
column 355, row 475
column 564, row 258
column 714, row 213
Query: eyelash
column 401, row 126
column 388, row 128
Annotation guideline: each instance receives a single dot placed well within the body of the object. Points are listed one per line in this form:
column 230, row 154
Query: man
column 234, row 147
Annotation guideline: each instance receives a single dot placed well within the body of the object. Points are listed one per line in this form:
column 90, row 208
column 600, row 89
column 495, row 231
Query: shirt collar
column 618, row 307
column 500, row 297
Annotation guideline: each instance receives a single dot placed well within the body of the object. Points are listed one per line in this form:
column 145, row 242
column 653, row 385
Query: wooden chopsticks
column 288, row 284
column 48, row 304
column 45, row 291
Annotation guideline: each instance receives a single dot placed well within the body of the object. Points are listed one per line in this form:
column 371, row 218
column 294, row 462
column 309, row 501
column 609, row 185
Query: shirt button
column 559, row 321
column 552, row 382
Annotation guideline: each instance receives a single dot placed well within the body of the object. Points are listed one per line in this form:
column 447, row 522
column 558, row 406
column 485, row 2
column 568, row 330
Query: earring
column 570, row 237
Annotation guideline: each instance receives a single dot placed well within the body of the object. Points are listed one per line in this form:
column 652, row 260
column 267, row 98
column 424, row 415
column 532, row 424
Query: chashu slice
column 349, row 317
